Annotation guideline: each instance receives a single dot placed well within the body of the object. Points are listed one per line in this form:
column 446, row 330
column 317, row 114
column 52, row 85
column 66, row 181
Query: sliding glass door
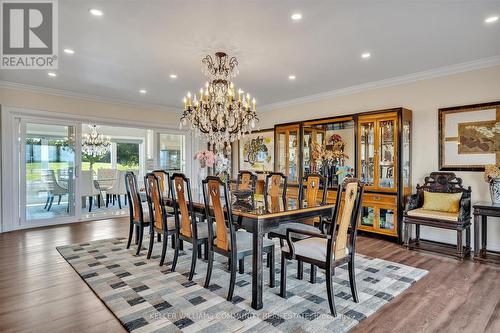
column 47, row 171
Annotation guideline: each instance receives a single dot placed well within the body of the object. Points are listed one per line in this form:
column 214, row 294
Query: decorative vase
column 495, row 191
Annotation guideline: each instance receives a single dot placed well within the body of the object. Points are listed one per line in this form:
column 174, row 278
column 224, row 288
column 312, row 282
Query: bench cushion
column 443, row 202
column 433, row 214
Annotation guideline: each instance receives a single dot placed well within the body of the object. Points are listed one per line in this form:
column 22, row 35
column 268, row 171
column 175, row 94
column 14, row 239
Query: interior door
column 48, row 160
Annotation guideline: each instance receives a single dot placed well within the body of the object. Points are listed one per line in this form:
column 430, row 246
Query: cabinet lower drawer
column 383, row 199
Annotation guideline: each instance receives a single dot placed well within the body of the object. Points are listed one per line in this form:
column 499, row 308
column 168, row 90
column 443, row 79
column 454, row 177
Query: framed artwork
column 469, row 137
column 256, row 151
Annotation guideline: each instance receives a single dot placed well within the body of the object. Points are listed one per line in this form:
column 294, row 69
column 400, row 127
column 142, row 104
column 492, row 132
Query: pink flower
column 206, row 158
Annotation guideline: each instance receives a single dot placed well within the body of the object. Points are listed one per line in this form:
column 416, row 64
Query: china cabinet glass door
column 386, row 154
column 282, row 152
column 367, row 153
column 293, row 156
column 288, row 152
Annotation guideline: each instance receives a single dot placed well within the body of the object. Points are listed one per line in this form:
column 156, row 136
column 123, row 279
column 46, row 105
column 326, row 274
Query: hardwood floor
column 39, row 291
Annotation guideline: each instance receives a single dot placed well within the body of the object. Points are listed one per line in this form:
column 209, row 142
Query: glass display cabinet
column 287, row 150
column 329, row 148
column 372, row 146
column 384, row 165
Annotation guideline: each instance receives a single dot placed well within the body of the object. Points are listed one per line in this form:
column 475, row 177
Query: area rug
column 149, row 298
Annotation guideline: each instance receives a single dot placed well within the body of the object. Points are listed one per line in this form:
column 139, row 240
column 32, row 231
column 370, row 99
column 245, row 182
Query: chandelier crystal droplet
column 220, row 111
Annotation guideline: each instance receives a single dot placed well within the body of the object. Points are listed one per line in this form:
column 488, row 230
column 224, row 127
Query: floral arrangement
column 491, row 171
column 222, row 167
column 206, row 158
column 330, row 156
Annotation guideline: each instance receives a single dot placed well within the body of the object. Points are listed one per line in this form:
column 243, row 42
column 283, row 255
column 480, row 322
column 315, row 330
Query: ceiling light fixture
column 173, row 76
column 291, row 77
column 69, row 51
column 95, row 12
column 221, row 112
column 366, row 55
column 296, row 16
column 491, row 19
column 51, row 74
column 143, row 91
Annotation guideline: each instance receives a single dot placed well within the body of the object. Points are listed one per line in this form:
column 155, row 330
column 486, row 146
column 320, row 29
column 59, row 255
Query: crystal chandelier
column 220, row 111
column 94, row 144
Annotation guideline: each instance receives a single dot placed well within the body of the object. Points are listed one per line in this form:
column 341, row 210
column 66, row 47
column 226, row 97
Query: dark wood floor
column 40, row 292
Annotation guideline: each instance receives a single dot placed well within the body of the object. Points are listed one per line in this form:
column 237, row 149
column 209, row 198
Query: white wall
column 424, row 98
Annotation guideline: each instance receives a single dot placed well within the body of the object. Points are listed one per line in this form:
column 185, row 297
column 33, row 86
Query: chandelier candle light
column 220, row 111
column 95, row 145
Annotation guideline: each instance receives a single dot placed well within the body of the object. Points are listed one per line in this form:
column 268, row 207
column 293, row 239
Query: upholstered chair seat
column 244, row 241
column 145, row 212
column 433, row 214
column 296, row 225
column 314, row 248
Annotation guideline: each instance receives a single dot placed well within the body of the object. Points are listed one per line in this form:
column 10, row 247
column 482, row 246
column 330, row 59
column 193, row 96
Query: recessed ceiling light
column 296, row 16
column 173, row 76
column 143, row 91
column 366, row 55
column 69, row 51
column 491, row 19
column 291, row 77
column 95, row 12
column 51, row 74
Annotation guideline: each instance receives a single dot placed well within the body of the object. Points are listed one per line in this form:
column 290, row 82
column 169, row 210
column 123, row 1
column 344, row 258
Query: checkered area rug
column 149, row 298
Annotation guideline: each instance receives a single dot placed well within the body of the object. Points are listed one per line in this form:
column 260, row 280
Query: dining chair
column 247, row 180
column 275, row 183
column 330, row 250
column 187, row 227
column 118, row 188
column 161, row 223
column 140, row 216
column 307, row 194
column 226, row 241
column 53, row 188
column 164, row 179
column 88, row 189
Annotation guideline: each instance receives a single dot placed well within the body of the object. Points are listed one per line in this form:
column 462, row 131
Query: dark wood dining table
column 259, row 219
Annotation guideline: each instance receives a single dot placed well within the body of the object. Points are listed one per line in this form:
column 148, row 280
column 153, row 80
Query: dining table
column 260, row 216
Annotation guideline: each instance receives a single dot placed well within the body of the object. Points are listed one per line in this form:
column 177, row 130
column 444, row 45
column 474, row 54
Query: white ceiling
column 137, row 44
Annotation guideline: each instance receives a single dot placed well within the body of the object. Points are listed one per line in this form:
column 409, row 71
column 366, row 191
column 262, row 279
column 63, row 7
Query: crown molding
column 424, row 75
column 398, row 80
column 85, row 97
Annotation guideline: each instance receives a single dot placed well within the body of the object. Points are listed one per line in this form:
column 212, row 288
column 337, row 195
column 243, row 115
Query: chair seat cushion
column 203, row 229
column 281, row 231
column 145, row 212
column 244, row 241
column 433, row 214
column 313, row 247
column 170, row 223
